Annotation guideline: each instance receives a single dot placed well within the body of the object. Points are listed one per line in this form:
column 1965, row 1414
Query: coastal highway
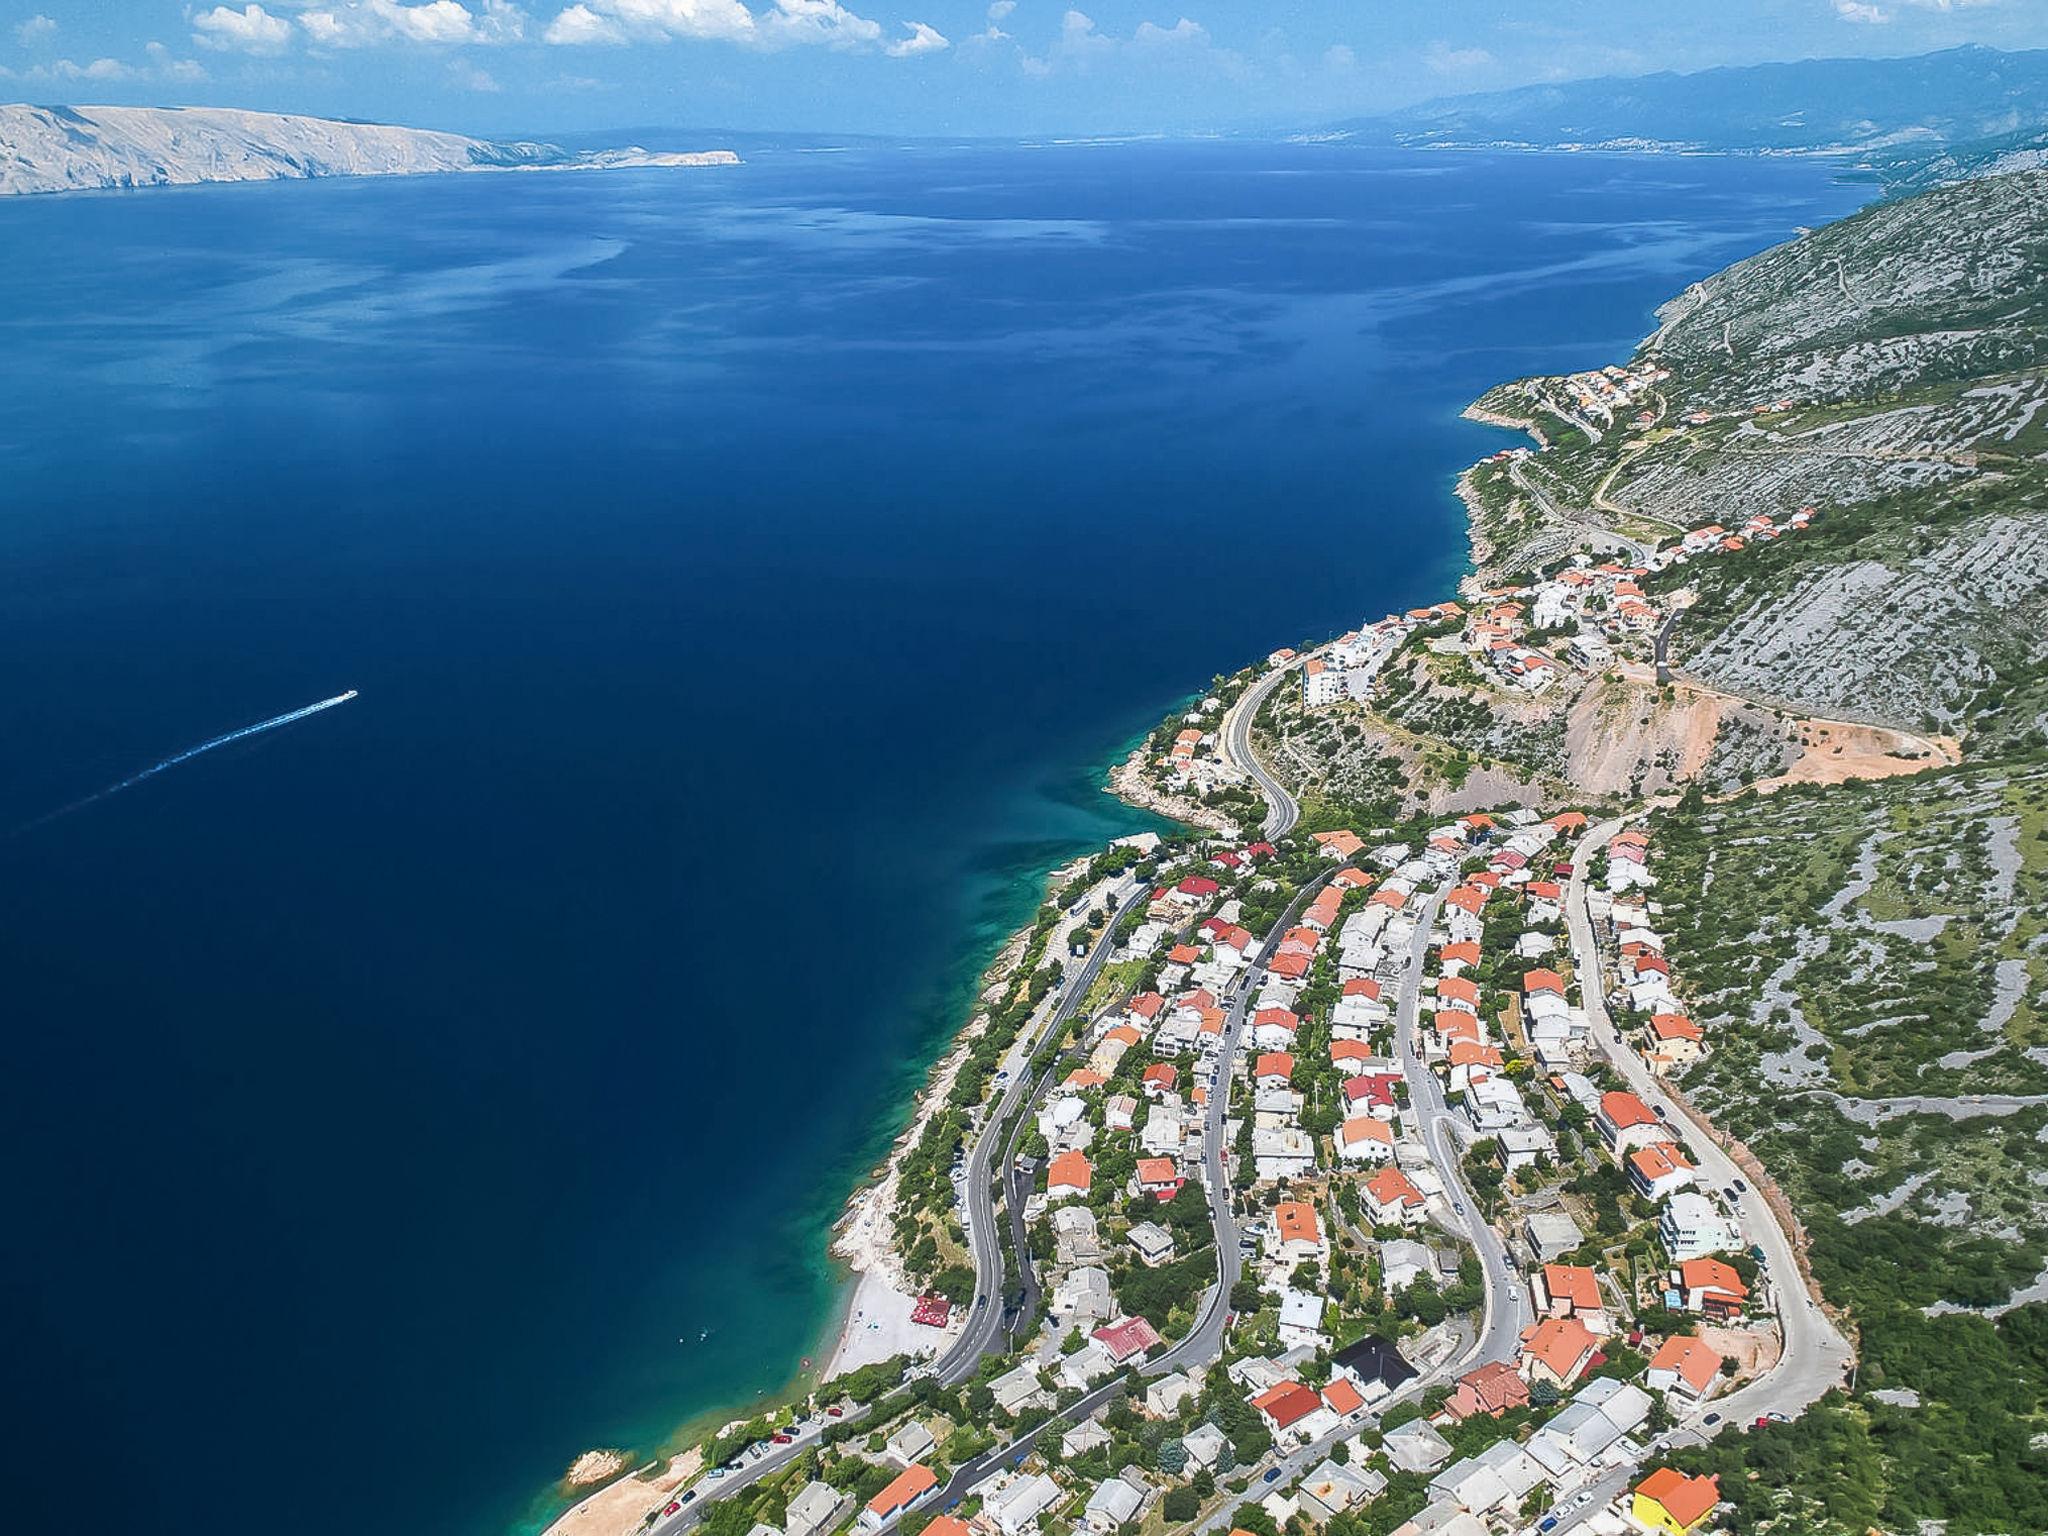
column 984, row 1321
column 1281, row 810
column 1508, row 1308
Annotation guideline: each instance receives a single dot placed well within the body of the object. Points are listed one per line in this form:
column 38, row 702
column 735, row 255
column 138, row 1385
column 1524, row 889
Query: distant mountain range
column 1909, row 107
column 64, row 149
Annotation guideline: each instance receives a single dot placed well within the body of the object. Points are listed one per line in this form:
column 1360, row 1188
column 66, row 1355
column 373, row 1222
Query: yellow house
column 1671, row 1502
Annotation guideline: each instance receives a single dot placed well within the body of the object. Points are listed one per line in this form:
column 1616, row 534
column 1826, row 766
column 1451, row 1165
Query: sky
column 940, row 67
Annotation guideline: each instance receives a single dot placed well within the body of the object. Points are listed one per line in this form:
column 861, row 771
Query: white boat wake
column 186, row 756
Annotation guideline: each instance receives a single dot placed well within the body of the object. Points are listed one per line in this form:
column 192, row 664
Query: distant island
column 72, row 149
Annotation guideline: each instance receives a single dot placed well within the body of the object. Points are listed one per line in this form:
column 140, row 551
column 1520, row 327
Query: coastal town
column 1331, row 1164
column 1331, row 1180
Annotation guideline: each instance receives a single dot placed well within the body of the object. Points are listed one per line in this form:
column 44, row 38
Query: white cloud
column 1001, row 9
column 1446, row 60
column 1082, row 46
column 922, row 39
column 621, row 21
column 430, row 23
column 786, row 23
column 1338, row 59
column 249, row 30
column 37, row 29
column 465, row 76
column 1858, row 10
column 818, row 21
column 166, row 67
column 98, row 69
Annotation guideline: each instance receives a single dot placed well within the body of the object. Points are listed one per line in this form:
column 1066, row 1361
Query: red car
column 837, row 1413
column 785, row 1439
column 673, row 1508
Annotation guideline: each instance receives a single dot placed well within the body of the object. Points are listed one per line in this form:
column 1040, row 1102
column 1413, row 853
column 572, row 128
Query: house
column 1491, row 1389
column 1114, row 1503
column 1082, row 1296
column 1068, row 1177
column 1659, row 1170
column 817, row 1509
column 1294, row 1412
column 1373, row 1365
column 1691, row 1226
column 1676, row 1042
column 1205, row 1444
column 1273, row 1029
column 1297, row 1235
column 1159, row 1178
column 1625, row 1121
column 1710, row 1287
column 1343, row 1399
column 1403, row 1261
column 1551, row 1234
column 1086, row 1436
column 1301, row 1319
column 1274, row 1068
column 1154, row 1244
column 913, row 1442
column 1282, row 1152
column 1588, row 1427
column 1016, row 1505
column 1669, row 1501
column 910, row 1486
column 1365, row 1140
column 1571, row 1290
column 1557, row 1350
column 1018, row 1391
column 1164, row 1396
column 1685, row 1365
column 1158, row 1078
column 1391, row 1197
column 1417, row 1446
column 1132, row 1336
column 1457, row 992
column 1120, row 1113
column 1075, row 1236
column 1331, row 1490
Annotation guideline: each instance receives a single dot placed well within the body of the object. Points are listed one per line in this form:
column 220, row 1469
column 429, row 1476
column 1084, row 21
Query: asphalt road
column 1816, row 1357
column 1281, row 810
column 1508, row 1308
column 985, row 1321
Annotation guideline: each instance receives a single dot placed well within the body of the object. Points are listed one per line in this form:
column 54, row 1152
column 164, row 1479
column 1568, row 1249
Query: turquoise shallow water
column 744, row 577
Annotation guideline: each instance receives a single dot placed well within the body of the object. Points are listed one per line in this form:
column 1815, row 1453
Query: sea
column 746, row 577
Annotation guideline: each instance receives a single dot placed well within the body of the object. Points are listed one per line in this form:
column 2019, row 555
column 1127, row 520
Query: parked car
column 785, row 1439
column 1272, row 1475
column 1712, row 1418
column 835, row 1411
column 673, row 1507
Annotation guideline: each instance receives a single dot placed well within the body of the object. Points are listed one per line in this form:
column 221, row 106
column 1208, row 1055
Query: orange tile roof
column 1467, row 953
column 1362, row 986
column 1470, row 1053
column 1365, row 1128
column 1125, row 1033
column 1294, row 965
column 1388, row 897
column 1573, row 1283
column 1279, row 1017
column 1164, row 1073
column 1069, row 1170
column 1287, row 1403
column 1695, row 1360
column 1354, row 879
column 1687, row 1500
column 1274, row 1064
column 1543, row 979
column 1157, row 1170
column 1295, row 1220
column 1342, row 1051
column 1342, row 1397
column 1390, row 1186
column 909, row 1484
column 1655, row 1162
column 1562, row 1344
column 1081, row 1077
column 1467, row 898
column 1712, row 1275
column 1674, row 1026
column 1458, row 989
column 1624, row 1110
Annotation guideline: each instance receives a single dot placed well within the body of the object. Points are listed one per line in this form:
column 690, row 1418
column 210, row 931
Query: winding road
column 1282, row 811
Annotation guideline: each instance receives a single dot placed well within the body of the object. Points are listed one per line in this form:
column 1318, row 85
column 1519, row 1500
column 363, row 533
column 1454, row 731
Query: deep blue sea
column 746, row 575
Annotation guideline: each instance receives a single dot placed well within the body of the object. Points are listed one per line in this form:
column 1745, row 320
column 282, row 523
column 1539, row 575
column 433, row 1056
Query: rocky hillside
column 65, row 149
column 1886, row 371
